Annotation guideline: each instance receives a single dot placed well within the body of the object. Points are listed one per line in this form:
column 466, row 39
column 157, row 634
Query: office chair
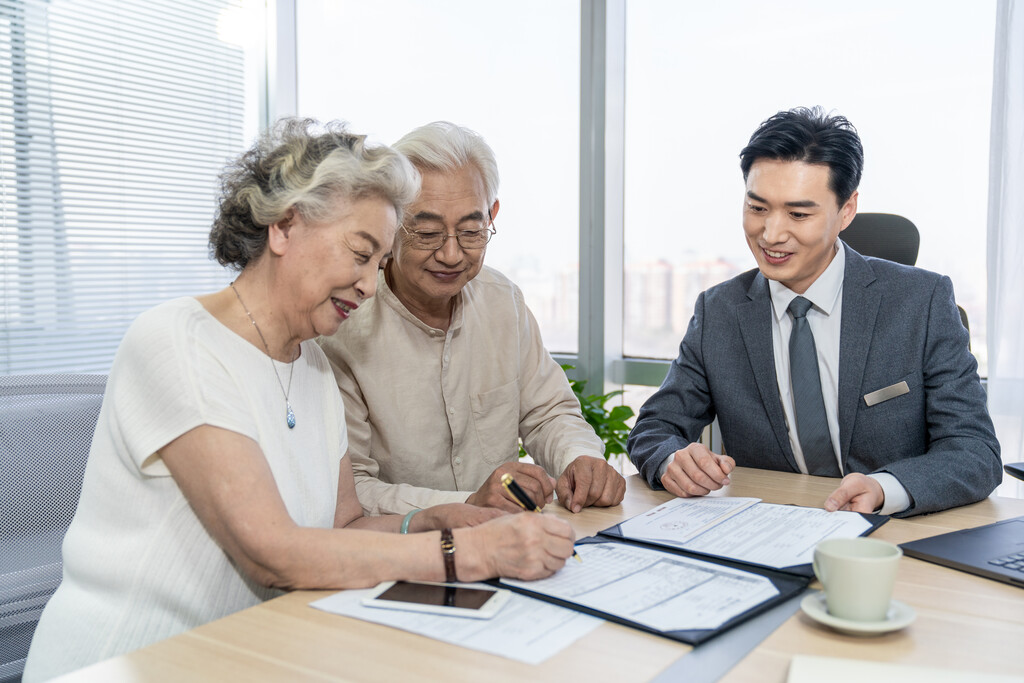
column 888, row 236
column 883, row 235
column 46, row 428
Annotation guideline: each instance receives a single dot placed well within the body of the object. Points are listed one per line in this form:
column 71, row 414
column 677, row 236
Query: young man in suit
column 821, row 360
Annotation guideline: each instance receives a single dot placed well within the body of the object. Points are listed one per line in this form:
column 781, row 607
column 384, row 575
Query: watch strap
column 448, row 553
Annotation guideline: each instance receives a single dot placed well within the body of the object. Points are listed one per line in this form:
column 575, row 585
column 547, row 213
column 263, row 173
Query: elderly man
column 444, row 370
column 820, row 360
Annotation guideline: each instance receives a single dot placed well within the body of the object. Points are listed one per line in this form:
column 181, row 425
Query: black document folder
column 788, row 581
column 805, row 570
column 787, row 585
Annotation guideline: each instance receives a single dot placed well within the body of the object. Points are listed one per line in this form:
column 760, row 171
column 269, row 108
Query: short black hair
column 814, row 137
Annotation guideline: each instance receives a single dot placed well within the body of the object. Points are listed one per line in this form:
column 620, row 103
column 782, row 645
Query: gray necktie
column 811, row 423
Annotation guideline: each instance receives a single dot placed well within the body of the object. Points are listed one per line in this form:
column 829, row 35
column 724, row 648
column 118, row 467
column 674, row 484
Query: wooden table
column 963, row 622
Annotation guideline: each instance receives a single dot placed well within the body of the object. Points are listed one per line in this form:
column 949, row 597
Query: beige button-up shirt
column 432, row 413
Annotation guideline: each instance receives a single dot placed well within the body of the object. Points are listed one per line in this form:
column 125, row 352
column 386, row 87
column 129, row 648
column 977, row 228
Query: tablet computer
column 438, row 598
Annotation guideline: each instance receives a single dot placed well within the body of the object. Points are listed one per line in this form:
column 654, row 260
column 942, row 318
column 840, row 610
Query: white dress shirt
column 825, row 321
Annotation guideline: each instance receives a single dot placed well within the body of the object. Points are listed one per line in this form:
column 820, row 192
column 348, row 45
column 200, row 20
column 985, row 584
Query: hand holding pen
column 537, row 483
column 524, row 500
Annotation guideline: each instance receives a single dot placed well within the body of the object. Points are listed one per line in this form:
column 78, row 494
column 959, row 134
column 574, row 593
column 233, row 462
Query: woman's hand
column 453, row 516
column 524, row 546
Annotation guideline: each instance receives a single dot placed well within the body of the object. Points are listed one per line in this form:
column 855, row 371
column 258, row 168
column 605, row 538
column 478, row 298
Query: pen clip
column 524, row 500
column 518, row 493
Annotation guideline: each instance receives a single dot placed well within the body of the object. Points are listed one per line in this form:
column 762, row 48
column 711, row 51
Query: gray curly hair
column 305, row 166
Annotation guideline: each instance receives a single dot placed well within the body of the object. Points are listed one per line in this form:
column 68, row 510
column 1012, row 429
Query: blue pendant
column 291, row 416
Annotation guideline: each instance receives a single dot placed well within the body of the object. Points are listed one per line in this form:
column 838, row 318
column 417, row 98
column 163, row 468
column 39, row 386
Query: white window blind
column 115, row 119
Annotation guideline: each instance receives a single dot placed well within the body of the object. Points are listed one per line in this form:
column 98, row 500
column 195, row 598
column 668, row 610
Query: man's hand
column 696, row 471
column 858, row 493
column 451, row 515
column 590, row 481
column 531, row 478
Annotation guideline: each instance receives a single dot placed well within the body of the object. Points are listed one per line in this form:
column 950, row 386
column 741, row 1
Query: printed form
column 744, row 529
column 525, row 629
column 657, row 589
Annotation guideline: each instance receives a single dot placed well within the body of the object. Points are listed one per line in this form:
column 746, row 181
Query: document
column 654, row 588
column 811, row 669
column 743, row 529
column 526, row 630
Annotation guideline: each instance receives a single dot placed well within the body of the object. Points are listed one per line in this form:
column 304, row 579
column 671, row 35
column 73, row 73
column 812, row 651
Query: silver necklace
column 290, row 415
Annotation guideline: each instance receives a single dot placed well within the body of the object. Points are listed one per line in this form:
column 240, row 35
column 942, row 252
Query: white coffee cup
column 858, row 575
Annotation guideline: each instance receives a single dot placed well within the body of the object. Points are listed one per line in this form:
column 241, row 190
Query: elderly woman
column 217, row 474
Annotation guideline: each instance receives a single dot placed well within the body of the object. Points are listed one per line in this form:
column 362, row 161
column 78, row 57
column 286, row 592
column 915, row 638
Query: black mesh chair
column 46, row 428
column 888, row 236
column 884, row 235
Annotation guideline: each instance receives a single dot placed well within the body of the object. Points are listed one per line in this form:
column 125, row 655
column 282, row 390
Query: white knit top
column 138, row 564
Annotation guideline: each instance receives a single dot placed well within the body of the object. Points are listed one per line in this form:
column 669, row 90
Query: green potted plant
column 610, row 425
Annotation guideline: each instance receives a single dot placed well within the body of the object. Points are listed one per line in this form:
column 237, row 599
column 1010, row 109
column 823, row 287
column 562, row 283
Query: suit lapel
column 860, row 308
column 756, row 328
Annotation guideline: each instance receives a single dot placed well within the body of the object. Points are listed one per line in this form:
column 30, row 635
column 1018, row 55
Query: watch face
column 447, row 542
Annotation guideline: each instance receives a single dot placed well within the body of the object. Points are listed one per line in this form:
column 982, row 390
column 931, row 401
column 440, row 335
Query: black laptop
column 995, row 551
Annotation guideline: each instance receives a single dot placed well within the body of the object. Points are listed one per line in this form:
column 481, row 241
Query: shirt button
column 451, row 411
column 446, row 359
column 458, row 460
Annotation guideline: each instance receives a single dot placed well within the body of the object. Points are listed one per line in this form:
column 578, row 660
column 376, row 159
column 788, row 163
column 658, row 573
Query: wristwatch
column 448, row 553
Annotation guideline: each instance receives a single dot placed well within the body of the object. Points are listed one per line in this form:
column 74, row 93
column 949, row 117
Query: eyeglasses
column 431, row 239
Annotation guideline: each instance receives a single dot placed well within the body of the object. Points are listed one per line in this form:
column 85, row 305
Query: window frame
column 600, row 359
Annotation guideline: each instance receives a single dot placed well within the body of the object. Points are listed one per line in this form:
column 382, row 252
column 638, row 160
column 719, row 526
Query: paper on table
column 810, row 669
column 762, row 533
column 681, row 519
column 657, row 589
column 526, row 630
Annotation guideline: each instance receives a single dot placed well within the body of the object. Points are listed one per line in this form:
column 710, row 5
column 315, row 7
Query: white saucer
column 899, row 616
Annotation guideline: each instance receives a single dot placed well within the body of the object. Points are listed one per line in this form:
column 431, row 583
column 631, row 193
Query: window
column 914, row 77
column 508, row 70
column 115, row 119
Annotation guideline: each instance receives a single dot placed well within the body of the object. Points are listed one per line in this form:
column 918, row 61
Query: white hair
column 447, row 147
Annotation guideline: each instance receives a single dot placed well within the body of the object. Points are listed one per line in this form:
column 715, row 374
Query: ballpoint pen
column 524, row 500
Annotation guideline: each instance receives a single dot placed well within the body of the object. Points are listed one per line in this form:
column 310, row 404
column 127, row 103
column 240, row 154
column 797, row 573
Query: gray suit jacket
column 899, row 324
